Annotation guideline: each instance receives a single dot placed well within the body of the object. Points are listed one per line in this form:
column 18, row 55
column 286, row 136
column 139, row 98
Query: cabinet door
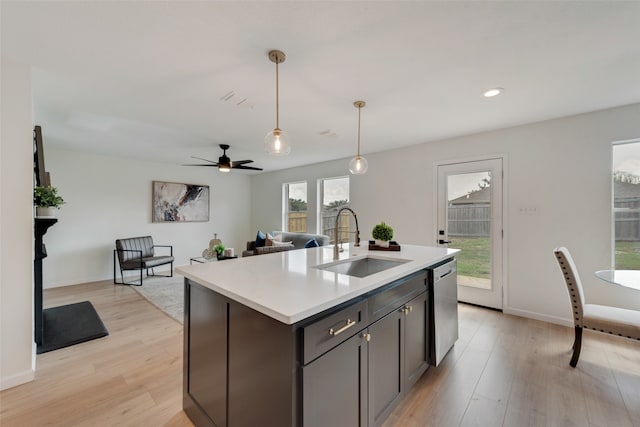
column 206, row 379
column 416, row 339
column 385, row 365
column 335, row 386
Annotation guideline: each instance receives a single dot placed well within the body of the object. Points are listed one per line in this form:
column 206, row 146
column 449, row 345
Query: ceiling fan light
column 358, row 165
column 224, row 162
column 493, row 92
column 275, row 143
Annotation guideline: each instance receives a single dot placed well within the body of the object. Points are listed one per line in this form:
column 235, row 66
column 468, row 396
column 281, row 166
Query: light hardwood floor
column 504, row 370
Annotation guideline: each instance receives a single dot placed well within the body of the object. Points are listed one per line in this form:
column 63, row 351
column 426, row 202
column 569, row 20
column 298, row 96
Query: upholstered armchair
column 138, row 253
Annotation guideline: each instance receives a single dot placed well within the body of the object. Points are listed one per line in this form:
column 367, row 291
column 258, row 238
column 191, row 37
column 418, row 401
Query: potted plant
column 46, row 199
column 382, row 233
column 219, row 248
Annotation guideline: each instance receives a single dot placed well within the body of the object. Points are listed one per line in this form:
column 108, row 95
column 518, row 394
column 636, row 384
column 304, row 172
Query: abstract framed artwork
column 175, row 202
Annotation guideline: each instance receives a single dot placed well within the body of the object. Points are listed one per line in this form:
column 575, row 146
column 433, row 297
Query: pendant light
column 275, row 142
column 358, row 165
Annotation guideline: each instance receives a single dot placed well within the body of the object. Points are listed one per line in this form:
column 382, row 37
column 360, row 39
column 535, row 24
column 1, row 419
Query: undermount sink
column 362, row 267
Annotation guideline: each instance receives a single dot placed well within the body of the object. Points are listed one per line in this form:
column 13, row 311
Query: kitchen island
column 275, row 340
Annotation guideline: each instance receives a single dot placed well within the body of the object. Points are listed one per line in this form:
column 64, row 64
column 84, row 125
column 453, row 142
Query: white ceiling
column 145, row 79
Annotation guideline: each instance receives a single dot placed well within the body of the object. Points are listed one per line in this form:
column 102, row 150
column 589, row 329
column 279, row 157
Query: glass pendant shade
column 358, row 165
column 275, row 143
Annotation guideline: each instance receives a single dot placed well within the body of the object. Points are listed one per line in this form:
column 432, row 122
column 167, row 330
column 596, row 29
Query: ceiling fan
column 225, row 164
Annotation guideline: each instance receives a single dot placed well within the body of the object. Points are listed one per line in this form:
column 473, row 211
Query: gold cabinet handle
column 367, row 337
column 349, row 323
column 406, row 309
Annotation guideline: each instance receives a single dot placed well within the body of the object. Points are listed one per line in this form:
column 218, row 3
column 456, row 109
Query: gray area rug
column 166, row 293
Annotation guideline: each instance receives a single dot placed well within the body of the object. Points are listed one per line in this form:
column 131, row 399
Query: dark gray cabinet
column 335, row 386
column 347, row 366
column 397, row 356
column 416, row 339
column 385, row 373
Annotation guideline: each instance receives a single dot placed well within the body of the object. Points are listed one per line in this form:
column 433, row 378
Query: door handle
column 444, row 242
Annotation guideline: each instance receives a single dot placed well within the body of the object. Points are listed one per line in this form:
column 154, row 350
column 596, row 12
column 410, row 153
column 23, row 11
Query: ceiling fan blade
column 204, row 160
column 246, row 167
column 215, row 165
column 241, row 162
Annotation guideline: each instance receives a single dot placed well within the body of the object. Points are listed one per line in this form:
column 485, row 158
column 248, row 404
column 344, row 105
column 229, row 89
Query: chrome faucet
column 336, row 251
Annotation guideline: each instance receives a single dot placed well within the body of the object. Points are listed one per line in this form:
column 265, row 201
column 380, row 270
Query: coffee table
column 203, row 260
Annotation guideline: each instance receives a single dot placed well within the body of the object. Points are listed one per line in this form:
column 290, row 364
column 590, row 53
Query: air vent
column 328, row 133
column 232, row 99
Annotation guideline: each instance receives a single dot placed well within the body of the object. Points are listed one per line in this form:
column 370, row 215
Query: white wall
column 17, row 360
column 560, row 167
column 109, row 198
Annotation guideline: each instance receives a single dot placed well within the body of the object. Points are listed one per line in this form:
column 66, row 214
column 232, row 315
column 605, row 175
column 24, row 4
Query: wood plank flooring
column 503, row 371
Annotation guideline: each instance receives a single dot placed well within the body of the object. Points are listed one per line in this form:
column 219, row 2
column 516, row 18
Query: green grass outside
column 474, row 259
column 628, row 255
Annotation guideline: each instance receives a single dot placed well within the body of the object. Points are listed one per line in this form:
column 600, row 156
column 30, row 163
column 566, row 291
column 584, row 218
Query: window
column 626, row 205
column 295, row 207
column 333, row 194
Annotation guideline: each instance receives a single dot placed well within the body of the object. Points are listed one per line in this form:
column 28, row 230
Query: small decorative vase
column 207, row 254
column 45, row 212
column 382, row 243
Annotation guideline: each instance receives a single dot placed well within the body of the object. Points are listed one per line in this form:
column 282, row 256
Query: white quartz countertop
column 287, row 287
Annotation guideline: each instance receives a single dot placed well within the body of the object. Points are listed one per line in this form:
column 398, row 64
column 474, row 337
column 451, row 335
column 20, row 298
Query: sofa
column 298, row 241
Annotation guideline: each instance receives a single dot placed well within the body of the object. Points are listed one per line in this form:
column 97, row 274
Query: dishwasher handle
column 445, row 274
column 444, row 271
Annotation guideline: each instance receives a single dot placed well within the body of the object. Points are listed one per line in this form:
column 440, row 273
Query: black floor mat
column 69, row 325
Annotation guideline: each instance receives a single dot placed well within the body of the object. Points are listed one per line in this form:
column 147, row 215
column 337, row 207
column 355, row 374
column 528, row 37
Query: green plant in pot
column 382, row 233
column 46, row 200
column 219, row 248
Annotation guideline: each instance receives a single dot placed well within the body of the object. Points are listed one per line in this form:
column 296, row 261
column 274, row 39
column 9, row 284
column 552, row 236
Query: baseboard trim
column 127, row 275
column 17, row 379
column 538, row 316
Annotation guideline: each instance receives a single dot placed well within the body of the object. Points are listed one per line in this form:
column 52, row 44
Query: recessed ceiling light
column 493, row 92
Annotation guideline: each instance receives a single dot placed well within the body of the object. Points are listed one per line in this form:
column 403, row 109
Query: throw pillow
column 277, row 237
column 261, row 239
column 313, row 243
column 269, row 240
column 276, row 243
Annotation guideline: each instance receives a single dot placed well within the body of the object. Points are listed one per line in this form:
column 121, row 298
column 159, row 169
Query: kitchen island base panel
column 262, row 369
column 205, row 357
column 239, row 365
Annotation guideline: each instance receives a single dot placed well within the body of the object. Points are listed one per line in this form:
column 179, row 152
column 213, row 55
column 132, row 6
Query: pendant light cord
column 277, row 99
column 359, row 108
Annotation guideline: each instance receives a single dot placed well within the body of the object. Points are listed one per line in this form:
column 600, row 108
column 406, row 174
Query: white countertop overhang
column 287, row 287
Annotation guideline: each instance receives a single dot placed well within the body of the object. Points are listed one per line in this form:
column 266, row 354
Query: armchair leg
column 577, row 344
column 153, row 272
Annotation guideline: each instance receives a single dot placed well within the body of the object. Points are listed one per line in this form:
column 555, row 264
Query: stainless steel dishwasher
column 444, row 323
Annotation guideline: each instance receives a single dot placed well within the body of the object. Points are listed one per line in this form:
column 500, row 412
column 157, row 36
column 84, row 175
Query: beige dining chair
column 601, row 318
